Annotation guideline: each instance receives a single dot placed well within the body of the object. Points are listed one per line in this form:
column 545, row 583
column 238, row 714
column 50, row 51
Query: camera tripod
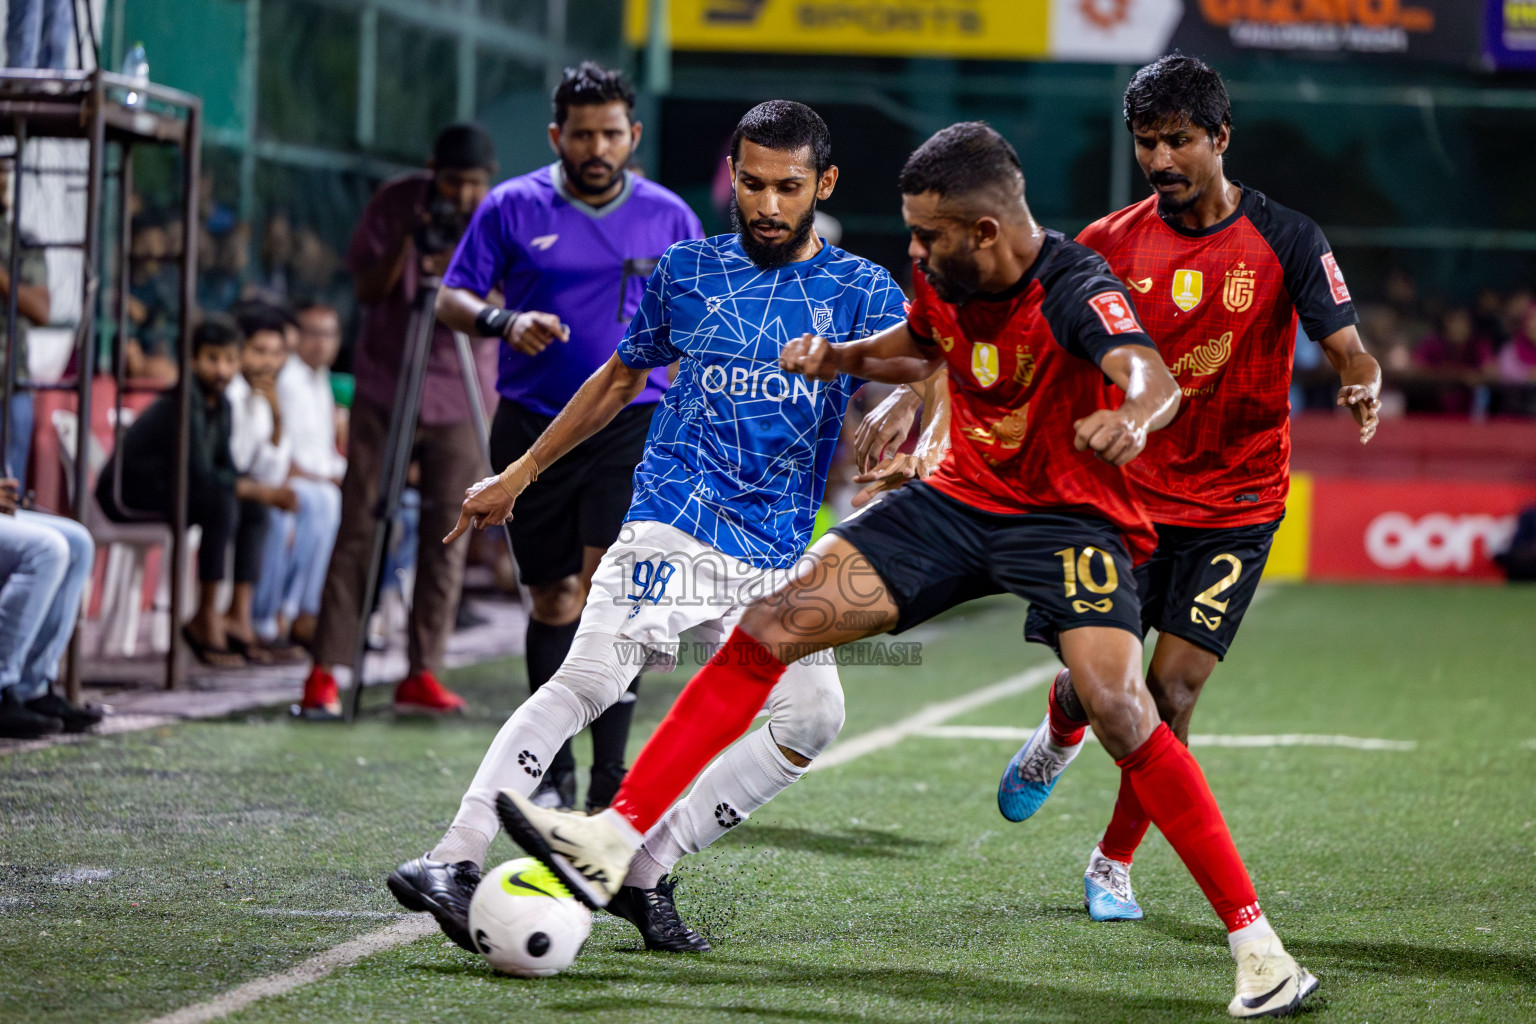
column 398, row 445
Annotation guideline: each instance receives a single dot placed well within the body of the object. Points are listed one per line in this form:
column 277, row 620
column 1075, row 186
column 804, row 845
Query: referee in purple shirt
column 554, row 263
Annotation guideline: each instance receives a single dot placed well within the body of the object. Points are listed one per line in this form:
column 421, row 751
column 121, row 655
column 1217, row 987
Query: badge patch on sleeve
column 1335, row 279
column 1115, row 313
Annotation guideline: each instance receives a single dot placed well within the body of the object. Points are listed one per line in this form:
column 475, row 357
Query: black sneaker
column 76, row 717
column 442, row 890
column 18, row 722
column 653, row 912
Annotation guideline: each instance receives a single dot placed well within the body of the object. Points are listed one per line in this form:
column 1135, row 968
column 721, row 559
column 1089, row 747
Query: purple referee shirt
column 551, row 252
column 395, row 209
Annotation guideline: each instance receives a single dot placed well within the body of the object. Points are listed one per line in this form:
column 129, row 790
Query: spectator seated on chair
column 44, row 564
column 260, row 449
column 139, row 481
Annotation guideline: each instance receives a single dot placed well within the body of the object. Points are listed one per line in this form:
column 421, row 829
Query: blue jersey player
column 568, row 247
column 725, row 495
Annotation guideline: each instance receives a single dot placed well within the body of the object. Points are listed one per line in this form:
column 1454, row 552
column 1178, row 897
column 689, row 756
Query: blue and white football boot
column 1107, row 890
column 1032, row 774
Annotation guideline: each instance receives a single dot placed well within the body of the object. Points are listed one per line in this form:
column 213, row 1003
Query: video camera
column 444, row 226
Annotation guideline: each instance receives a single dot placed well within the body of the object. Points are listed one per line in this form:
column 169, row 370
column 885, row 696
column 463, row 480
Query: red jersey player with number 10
column 1220, row 275
column 1031, row 499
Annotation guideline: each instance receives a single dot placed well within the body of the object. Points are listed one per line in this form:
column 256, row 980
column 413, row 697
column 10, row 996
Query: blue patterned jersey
column 739, row 450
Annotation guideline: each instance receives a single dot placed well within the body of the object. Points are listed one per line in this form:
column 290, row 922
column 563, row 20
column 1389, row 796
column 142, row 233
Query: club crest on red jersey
column 1237, row 290
column 1115, row 313
column 1335, row 279
column 1188, row 288
column 984, row 363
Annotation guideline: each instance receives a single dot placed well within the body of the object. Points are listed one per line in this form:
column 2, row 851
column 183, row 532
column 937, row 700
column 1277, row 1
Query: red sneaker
column 422, row 694
column 320, row 701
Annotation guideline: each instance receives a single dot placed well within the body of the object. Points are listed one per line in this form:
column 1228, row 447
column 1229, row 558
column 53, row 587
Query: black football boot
column 442, row 890
column 653, row 912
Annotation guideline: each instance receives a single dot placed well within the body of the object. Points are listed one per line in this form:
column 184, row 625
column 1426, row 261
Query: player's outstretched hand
column 887, row 425
column 486, row 503
column 1364, row 406
column 810, row 355
column 889, row 475
column 1110, row 434
column 530, row 332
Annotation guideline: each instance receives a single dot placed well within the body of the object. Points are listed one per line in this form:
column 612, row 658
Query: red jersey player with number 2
column 1054, row 388
column 1220, row 274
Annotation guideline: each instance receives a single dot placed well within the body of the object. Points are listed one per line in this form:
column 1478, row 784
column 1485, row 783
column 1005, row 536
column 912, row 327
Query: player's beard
column 577, row 183
column 956, row 283
column 1167, row 204
column 772, row 255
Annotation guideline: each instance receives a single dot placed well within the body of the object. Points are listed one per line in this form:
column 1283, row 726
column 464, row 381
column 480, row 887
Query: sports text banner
column 995, row 29
column 1109, row 31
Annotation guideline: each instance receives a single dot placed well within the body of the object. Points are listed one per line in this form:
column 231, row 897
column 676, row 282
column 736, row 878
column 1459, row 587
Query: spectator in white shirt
column 259, row 449
column 300, row 548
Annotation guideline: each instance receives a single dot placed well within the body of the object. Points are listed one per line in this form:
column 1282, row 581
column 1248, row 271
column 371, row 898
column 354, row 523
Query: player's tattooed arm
column 893, row 356
column 610, row 388
column 932, row 445
column 1361, row 377
column 1151, row 399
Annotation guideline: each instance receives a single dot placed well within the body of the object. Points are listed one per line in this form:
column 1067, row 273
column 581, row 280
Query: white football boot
column 1269, row 982
column 590, row 855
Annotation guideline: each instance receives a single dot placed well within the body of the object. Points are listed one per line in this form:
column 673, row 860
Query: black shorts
column 577, row 503
column 933, row 553
column 1201, row 579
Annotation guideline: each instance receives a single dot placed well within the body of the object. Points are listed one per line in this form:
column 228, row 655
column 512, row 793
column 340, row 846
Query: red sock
column 1170, row 785
column 1065, row 730
column 713, row 710
column 1127, row 826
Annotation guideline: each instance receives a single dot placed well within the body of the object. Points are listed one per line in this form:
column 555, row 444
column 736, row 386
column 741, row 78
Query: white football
column 525, row 921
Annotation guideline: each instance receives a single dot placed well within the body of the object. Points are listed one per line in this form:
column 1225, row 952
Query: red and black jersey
column 1222, row 304
column 1023, row 367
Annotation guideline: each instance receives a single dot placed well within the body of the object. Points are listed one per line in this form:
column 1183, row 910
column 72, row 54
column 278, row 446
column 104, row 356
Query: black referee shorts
column 1200, row 581
column 577, row 503
column 934, row 553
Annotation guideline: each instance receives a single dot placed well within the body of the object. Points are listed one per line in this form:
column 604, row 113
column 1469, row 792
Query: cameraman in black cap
column 407, row 233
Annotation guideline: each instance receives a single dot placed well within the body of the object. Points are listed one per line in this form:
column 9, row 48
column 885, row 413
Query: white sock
column 734, row 785
column 1248, row 932
column 645, row 871
column 591, row 680
column 461, row 843
column 523, row 747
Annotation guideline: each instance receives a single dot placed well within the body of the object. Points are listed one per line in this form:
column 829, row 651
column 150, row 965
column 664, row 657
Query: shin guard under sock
column 1172, row 788
column 713, row 710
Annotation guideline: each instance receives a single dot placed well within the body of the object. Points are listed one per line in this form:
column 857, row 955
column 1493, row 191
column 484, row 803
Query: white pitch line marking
column 932, row 716
column 1006, row 732
column 417, row 926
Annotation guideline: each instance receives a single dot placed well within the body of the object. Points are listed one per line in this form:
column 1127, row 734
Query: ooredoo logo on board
column 1436, row 542
column 1411, row 528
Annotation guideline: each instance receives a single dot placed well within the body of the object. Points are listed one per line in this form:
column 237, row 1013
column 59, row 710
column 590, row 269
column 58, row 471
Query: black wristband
column 491, row 322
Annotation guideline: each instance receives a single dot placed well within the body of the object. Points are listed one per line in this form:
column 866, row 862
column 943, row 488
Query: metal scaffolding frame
column 111, row 113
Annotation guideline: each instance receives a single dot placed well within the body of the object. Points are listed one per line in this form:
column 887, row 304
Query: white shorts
column 656, row 581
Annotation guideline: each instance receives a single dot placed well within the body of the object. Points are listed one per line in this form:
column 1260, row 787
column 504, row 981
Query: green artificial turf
column 145, row 872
